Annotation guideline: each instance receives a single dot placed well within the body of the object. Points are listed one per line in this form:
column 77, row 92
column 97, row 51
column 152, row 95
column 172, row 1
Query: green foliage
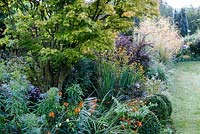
column 151, row 124
column 166, row 10
column 167, row 101
column 13, row 90
column 30, row 123
column 50, row 103
column 85, row 73
column 59, row 33
column 55, row 116
column 153, row 86
column 131, row 78
column 74, row 94
column 160, row 107
column 193, row 15
column 119, row 118
column 13, row 99
column 107, row 80
column 127, row 78
column 158, row 71
column 3, row 73
column 192, row 46
column 180, row 19
column 118, row 78
column 195, row 48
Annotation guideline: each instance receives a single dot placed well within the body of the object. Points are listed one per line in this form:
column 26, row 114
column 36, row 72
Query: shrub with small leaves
column 150, row 124
column 74, row 94
column 168, row 103
column 134, row 48
column 159, row 107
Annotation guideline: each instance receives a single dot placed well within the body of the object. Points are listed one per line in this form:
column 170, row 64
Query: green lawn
column 186, row 98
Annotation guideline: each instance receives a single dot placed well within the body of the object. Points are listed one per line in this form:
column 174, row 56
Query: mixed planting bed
column 87, row 67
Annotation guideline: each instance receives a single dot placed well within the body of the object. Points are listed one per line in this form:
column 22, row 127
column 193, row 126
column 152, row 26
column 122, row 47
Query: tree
column 165, row 10
column 181, row 21
column 193, row 15
column 57, row 33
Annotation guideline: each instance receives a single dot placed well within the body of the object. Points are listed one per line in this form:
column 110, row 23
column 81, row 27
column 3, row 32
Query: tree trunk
column 62, row 75
column 48, row 77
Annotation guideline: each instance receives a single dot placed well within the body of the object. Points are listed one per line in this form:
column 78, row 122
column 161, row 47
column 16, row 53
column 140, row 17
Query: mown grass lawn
column 186, row 98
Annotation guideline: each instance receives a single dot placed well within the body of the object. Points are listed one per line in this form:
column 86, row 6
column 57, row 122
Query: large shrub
column 57, row 34
column 191, row 47
column 195, row 48
column 135, row 48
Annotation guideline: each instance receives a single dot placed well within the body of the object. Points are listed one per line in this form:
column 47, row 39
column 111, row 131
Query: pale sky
column 183, row 3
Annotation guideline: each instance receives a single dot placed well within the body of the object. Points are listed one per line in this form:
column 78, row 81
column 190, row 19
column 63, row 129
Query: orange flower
column 66, row 104
column 135, row 109
column 77, row 110
column 92, row 111
column 139, row 123
column 94, row 101
column 123, row 126
column 80, row 105
column 48, row 132
column 122, row 118
column 60, row 93
column 94, row 106
column 51, row 114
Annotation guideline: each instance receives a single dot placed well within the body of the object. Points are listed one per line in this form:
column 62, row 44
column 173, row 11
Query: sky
column 183, row 3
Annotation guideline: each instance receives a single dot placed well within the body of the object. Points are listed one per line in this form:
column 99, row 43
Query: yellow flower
column 128, row 14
